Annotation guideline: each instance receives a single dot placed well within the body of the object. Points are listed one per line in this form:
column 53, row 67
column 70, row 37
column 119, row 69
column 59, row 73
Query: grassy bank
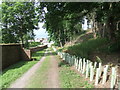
column 70, row 79
column 85, row 48
column 13, row 72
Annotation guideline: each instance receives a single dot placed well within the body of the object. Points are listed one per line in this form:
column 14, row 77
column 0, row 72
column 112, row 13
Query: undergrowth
column 85, row 48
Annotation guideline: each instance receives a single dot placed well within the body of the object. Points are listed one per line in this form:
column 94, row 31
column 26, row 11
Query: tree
column 19, row 19
column 62, row 19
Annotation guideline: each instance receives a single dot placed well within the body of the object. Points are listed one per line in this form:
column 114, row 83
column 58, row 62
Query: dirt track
column 52, row 74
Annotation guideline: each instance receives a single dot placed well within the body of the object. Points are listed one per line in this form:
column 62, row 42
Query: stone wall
column 13, row 53
column 38, row 48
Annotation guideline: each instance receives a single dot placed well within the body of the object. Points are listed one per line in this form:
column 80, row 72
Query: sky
column 42, row 33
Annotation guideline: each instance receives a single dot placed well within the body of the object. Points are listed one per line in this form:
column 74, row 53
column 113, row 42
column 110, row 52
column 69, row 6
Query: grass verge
column 37, row 55
column 13, row 72
column 40, row 77
column 70, row 79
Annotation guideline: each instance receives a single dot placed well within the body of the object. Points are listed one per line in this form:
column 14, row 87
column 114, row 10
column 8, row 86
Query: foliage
column 85, row 48
column 34, row 44
column 19, row 19
column 113, row 47
column 37, row 55
column 13, row 72
column 63, row 21
column 98, row 59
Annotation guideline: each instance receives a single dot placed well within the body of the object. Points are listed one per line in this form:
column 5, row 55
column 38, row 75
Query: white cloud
column 41, row 33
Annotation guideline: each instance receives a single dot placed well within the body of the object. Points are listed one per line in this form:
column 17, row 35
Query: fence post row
column 86, row 67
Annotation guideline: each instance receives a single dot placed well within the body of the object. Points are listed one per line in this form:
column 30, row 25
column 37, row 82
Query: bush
column 33, row 44
column 111, row 48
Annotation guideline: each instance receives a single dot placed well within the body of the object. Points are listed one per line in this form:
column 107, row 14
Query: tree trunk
column 111, row 27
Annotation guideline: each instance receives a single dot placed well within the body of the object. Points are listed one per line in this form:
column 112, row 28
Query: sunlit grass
column 40, row 77
column 37, row 55
column 11, row 73
column 70, row 79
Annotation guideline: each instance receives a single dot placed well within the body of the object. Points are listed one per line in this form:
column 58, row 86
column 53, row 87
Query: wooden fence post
column 87, row 68
column 91, row 73
column 84, row 66
column 118, row 84
column 113, row 79
column 69, row 59
column 97, row 76
column 95, row 63
column 100, row 69
column 79, row 64
column 75, row 60
column 105, row 74
column 63, row 56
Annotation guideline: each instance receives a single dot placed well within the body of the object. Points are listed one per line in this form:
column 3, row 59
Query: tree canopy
column 62, row 20
column 19, row 19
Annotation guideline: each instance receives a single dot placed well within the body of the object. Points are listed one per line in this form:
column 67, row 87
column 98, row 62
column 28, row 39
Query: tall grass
column 85, row 48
